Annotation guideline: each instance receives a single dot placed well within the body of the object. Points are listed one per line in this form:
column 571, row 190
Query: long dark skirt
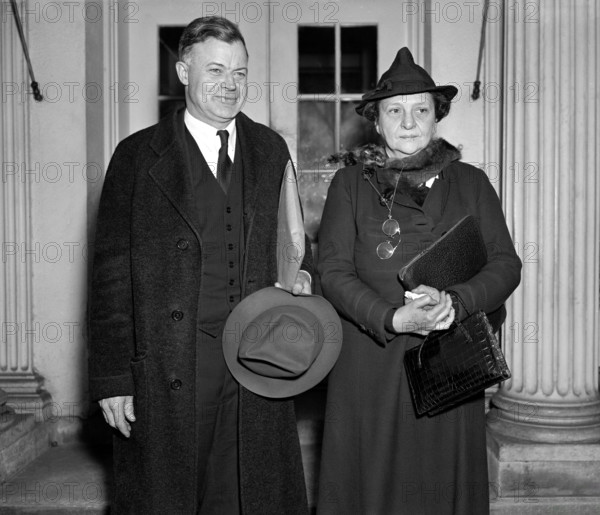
column 380, row 459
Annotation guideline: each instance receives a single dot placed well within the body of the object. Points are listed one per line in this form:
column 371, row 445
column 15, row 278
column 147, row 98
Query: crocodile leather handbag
column 450, row 366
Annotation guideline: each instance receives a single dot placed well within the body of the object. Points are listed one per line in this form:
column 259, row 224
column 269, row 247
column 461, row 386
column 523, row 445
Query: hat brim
column 448, row 91
column 257, row 303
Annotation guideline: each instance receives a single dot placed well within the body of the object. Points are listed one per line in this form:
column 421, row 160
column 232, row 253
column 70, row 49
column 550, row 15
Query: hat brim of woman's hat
column 399, row 89
column 252, row 307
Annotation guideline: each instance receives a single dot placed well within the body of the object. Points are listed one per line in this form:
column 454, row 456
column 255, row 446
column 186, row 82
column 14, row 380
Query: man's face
column 215, row 75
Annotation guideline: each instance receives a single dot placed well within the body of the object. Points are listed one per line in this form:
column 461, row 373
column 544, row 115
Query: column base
column 531, row 478
column 25, row 394
column 545, row 421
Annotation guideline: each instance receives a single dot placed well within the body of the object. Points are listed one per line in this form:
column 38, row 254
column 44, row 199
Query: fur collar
column 437, row 155
column 409, row 173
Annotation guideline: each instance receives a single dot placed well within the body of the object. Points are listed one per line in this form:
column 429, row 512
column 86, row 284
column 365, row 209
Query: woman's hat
column 404, row 78
column 277, row 344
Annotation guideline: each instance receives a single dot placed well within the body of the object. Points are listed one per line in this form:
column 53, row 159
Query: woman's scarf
column 411, row 172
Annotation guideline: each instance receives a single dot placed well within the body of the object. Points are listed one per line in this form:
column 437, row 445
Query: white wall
column 455, row 34
column 59, row 201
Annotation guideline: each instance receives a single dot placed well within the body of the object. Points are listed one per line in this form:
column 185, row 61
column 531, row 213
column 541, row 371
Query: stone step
column 74, row 475
column 22, row 440
column 72, row 478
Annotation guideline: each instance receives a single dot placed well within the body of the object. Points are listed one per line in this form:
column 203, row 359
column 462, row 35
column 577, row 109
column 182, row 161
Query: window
column 171, row 95
column 336, row 65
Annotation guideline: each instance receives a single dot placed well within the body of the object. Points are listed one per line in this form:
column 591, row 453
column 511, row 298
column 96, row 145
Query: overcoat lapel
column 170, row 170
column 435, row 202
column 252, row 168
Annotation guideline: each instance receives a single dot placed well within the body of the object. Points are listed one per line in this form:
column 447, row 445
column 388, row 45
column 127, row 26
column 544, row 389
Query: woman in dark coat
column 378, row 457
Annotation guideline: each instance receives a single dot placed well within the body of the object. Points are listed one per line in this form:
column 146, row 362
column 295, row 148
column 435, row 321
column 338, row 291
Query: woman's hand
column 431, row 312
column 427, row 290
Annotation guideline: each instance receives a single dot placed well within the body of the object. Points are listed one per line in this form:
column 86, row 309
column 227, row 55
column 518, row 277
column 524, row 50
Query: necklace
column 390, row 226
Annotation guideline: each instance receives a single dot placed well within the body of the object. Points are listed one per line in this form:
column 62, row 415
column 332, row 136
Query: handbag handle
column 461, row 301
column 451, row 328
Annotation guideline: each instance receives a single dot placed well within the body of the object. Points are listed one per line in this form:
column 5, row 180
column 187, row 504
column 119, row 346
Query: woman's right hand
column 425, row 314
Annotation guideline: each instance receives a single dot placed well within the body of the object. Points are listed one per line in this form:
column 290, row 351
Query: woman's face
column 406, row 123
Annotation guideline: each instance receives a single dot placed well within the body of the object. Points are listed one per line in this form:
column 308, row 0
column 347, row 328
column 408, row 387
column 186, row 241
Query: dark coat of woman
column 147, row 267
column 378, row 457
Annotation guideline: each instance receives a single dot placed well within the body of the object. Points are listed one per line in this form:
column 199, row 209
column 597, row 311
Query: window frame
column 336, row 96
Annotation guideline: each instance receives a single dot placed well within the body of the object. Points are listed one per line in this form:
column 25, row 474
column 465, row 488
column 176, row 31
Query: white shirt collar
column 206, row 137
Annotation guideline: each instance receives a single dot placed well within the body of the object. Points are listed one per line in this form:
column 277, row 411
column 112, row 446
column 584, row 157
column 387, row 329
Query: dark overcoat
column 378, row 457
column 143, row 320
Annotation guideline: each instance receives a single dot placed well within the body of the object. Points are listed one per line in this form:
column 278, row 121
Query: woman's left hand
column 424, row 314
column 428, row 290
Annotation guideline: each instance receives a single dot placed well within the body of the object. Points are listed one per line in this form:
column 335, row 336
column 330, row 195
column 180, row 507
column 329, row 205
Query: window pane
column 316, row 126
column 355, row 130
column 167, row 106
column 313, row 186
column 359, row 59
column 169, row 44
column 316, row 59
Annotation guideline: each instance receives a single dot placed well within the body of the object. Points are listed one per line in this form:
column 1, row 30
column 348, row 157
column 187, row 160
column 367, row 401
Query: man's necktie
column 224, row 164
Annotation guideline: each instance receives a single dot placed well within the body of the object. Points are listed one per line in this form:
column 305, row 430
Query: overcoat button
column 176, row 384
column 183, row 244
column 177, row 315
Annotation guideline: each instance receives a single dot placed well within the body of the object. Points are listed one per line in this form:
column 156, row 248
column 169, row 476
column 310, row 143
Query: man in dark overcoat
column 179, row 243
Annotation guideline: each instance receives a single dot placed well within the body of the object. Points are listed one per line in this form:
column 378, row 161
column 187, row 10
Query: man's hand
column 302, row 284
column 118, row 412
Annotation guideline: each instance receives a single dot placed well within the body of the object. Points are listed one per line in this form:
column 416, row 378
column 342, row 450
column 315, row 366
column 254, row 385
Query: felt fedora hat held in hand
column 404, row 78
column 278, row 345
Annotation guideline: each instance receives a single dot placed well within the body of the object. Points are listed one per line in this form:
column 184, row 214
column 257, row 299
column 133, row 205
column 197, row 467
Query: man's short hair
column 209, row 27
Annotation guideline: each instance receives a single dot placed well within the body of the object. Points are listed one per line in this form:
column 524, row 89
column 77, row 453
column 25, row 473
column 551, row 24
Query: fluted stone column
column 544, row 425
column 17, row 329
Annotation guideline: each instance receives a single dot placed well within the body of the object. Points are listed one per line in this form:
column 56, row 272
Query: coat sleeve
column 340, row 283
column 111, row 344
column 491, row 287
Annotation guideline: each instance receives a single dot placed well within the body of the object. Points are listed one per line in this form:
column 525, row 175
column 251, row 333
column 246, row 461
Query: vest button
column 177, row 315
column 183, row 244
column 231, row 264
column 176, row 384
column 231, row 282
column 231, row 298
column 228, row 227
column 228, row 209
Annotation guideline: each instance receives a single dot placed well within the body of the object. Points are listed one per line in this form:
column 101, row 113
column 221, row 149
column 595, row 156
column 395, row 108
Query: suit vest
column 221, row 234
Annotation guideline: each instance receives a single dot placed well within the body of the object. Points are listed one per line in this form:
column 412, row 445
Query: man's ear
column 182, row 72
